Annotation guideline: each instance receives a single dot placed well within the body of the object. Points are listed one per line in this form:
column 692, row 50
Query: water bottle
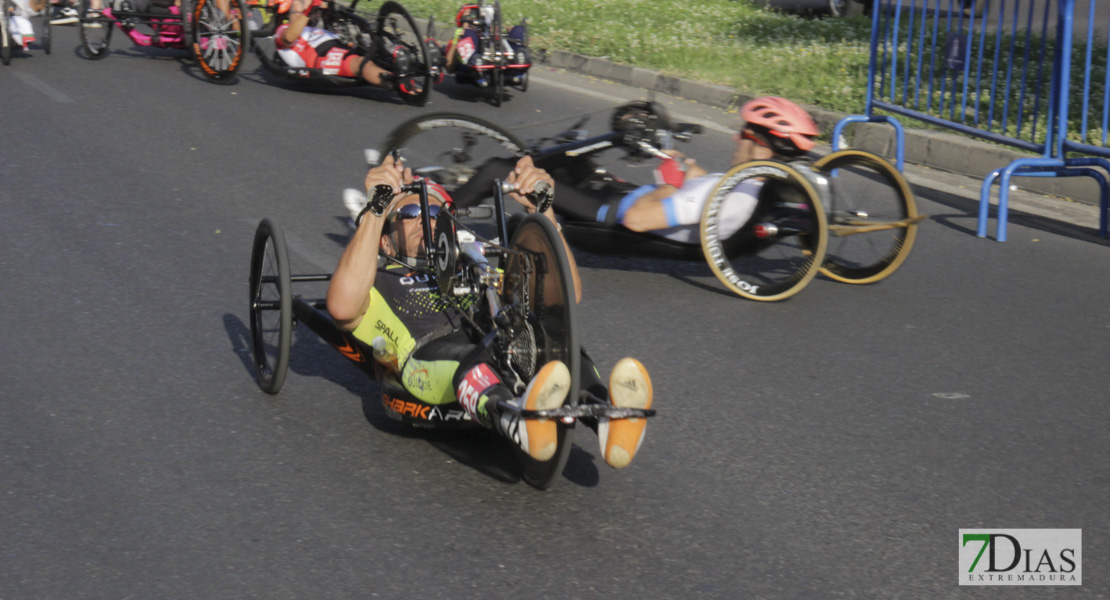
column 385, row 353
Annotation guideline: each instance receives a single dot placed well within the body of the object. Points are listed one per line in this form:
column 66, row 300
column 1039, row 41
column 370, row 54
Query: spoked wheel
column 453, row 148
column 96, row 29
column 404, row 50
column 271, row 307
column 872, row 216
column 5, row 33
column 537, row 282
column 780, row 247
column 220, row 37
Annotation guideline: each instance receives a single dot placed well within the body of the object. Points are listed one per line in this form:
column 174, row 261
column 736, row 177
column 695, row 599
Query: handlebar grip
column 383, row 195
column 543, row 196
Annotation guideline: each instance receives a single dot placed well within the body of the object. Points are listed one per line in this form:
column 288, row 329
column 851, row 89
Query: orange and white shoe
column 629, row 387
column 547, row 391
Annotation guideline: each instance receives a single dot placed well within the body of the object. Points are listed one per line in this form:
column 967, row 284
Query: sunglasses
column 412, row 211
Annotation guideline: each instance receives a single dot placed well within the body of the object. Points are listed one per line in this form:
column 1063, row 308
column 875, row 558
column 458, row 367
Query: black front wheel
column 453, row 148
column 403, row 50
column 46, row 27
column 538, row 285
column 96, row 29
column 271, row 306
column 5, row 34
column 498, row 86
column 220, row 38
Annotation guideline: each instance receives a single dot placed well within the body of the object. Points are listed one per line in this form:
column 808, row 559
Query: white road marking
column 50, row 91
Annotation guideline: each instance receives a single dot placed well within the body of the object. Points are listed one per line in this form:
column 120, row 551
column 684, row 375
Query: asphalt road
column 828, row 446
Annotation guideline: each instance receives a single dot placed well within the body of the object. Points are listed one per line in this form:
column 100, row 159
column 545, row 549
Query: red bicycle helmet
column 784, row 120
column 467, row 14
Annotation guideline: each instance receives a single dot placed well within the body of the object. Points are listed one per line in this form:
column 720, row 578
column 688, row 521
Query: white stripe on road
column 51, row 92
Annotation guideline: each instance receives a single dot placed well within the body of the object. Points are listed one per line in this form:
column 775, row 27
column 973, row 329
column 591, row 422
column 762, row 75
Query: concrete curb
column 938, row 150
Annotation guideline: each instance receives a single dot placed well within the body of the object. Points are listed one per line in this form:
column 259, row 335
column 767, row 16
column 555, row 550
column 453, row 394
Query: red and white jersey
column 303, row 52
column 685, row 205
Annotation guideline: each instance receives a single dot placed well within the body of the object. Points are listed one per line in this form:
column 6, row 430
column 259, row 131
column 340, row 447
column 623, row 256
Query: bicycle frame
column 168, row 29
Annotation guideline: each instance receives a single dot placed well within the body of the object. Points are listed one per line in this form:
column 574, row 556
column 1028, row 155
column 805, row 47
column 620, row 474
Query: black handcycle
column 850, row 215
column 517, row 298
column 389, row 38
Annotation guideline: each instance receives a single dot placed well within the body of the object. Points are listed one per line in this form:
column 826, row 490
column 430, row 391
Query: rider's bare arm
column 349, row 291
column 525, row 175
column 298, row 19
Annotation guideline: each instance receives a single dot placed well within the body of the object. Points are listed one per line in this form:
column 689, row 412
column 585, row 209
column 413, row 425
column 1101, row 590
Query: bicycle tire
column 5, row 34
column 549, row 298
column 46, row 16
column 96, row 32
column 456, row 144
column 772, row 268
column 861, row 183
column 270, row 290
column 219, row 40
column 401, row 30
column 498, row 86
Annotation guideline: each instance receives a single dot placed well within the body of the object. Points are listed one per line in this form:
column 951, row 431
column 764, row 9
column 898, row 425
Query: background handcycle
column 849, row 215
column 9, row 37
column 214, row 31
column 504, row 59
column 517, row 297
column 389, row 37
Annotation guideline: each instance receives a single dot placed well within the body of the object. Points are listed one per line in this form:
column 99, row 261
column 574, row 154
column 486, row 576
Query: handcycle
column 390, row 38
column 503, row 58
column 10, row 37
column 517, row 298
column 850, row 215
column 214, row 31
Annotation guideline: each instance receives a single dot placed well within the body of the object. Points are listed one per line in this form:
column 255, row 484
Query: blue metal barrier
column 999, row 70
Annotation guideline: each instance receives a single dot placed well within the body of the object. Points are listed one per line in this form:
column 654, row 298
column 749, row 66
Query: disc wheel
column 5, row 33
column 220, row 38
column 780, row 247
column 96, row 30
column 452, row 148
column 872, row 216
column 397, row 33
column 537, row 279
column 271, row 306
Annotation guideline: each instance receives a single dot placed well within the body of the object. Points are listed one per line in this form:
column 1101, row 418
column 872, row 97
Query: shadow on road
column 966, row 219
column 476, row 448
